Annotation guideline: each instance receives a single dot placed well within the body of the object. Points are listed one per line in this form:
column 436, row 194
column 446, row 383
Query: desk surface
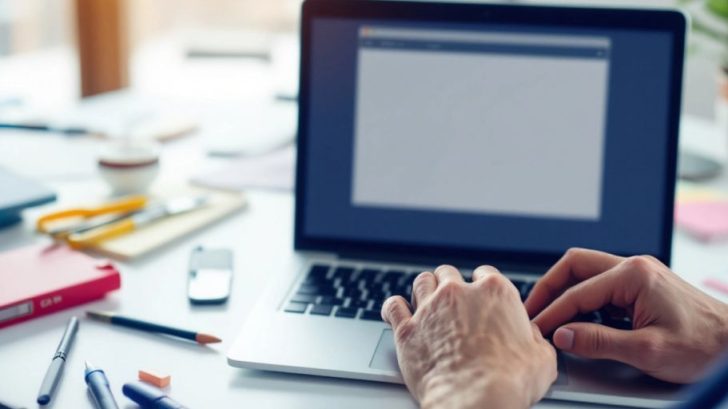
column 155, row 288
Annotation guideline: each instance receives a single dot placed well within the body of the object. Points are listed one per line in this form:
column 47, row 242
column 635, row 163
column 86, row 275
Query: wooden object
column 103, row 46
column 166, row 231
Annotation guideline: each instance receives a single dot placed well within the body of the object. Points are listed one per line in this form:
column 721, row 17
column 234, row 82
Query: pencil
column 122, row 321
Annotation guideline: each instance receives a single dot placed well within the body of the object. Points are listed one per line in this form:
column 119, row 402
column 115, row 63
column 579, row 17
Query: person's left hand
column 469, row 345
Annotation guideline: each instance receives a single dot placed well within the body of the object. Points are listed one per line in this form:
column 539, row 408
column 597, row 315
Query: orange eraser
column 154, row 378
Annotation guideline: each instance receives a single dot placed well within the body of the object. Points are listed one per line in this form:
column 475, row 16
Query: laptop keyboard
column 348, row 292
column 358, row 293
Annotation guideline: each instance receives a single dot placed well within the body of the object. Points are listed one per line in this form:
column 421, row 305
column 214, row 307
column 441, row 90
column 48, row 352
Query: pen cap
column 148, row 396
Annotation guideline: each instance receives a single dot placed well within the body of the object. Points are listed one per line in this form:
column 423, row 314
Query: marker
column 149, row 397
column 55, row 370
column 99, row 386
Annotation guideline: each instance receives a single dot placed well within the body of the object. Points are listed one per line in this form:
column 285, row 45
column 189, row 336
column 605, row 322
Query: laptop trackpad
column 385, row 356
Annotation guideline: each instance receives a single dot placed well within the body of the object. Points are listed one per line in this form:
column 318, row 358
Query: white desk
column 155, row 288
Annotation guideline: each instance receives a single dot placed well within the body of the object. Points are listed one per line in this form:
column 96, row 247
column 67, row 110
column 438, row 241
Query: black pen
column 55, row 370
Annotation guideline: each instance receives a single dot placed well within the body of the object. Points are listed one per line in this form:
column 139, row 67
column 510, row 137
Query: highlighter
column 149, row 397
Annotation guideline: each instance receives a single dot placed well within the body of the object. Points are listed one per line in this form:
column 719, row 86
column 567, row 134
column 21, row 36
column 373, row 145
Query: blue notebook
column 18, row 193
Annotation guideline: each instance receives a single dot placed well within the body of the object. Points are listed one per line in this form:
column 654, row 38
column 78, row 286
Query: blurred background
column 156, row 37
column 229, row 66
column 42, row 42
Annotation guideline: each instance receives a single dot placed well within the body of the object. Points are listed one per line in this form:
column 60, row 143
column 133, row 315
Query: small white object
column 163, row 128
column 129, row 166
column 255, row 130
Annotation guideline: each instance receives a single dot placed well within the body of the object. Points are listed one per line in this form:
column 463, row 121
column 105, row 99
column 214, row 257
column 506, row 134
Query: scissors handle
column 127, row 204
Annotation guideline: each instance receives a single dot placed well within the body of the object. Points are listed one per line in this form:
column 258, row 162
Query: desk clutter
column 147, row 392
column 146, row 395
column 46, row 278
column 138, row 213
column 133, row 226
column 54, row 277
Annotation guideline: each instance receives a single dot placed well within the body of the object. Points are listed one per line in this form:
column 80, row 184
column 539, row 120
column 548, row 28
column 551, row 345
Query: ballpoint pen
column 99, row 387
column 55, row 370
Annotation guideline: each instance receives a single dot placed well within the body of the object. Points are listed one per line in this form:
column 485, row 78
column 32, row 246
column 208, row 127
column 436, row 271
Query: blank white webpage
column 480, row 132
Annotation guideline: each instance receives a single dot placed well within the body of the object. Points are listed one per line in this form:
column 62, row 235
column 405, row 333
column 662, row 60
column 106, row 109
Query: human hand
column 469, row 344
column 677, row 329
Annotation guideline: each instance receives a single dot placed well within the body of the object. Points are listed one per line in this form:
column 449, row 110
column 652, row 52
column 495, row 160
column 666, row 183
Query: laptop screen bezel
column 664, row 20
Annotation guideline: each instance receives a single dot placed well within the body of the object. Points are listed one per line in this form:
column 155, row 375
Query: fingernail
column 487, row 269
column 564, row 338
column 444, row 267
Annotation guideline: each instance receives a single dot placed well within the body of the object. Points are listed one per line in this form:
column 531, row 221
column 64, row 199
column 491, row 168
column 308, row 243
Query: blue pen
column 99, row 386
column 149, row 397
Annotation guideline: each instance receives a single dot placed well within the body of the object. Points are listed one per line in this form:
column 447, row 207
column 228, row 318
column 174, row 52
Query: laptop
column 468, row 134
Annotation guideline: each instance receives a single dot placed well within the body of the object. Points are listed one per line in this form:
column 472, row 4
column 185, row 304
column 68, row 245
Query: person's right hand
column 677, row 329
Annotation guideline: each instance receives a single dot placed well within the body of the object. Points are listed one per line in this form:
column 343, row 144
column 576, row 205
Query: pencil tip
column 88, row 365
column 207, row 339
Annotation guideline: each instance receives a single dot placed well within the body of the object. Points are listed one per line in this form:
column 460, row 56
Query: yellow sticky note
column 688, row 193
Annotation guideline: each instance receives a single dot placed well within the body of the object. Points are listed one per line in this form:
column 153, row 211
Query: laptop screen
column 486, row 138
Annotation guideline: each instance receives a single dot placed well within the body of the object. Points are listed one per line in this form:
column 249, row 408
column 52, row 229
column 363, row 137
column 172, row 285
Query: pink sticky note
column 705, row 220
column 716, row 285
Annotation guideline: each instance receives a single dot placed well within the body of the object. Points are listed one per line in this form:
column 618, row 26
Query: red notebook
column 40, row 280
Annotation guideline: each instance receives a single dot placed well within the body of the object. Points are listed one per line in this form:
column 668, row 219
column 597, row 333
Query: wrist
column 476, row 388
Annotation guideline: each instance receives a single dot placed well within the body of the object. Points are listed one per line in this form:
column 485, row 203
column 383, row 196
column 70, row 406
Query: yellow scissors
column 115, row 218
column 64, row 223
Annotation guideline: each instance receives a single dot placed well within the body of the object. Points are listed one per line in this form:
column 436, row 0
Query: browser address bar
column 478, row 37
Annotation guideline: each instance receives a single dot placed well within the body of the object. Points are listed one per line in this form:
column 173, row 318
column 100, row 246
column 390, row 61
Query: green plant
column 719, row 8
column 710, row 19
